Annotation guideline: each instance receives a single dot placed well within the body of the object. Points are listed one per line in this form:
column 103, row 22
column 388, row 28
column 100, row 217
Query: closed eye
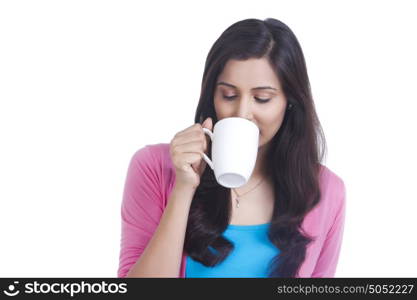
column 260, row 100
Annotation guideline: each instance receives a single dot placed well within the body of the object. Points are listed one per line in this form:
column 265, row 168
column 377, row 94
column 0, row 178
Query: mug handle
column 205, row 157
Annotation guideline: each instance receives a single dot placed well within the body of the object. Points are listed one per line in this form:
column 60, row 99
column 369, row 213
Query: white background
column 84, row 84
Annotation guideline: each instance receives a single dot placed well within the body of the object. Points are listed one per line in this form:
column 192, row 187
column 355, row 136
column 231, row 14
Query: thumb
column 208, row 123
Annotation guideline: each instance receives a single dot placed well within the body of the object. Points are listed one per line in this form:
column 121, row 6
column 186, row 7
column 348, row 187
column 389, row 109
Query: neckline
column 248, row 227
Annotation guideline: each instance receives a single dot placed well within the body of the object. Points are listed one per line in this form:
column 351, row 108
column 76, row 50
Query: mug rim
column 239, row 118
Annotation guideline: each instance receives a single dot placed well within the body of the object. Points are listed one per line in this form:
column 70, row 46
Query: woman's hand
column 186, row 150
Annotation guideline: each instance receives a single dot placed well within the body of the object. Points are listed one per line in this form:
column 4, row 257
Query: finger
column 190, row 158
column 194, row 127
column 194, row 136
column 191, row 147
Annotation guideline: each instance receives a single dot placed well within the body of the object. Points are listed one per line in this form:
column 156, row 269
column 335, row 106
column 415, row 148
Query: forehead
column 249, row 73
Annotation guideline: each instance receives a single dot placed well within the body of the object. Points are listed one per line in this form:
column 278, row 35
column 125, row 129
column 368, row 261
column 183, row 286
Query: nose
column 244, row 108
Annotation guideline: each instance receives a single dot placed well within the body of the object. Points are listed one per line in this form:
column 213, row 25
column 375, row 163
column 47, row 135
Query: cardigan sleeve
column 329, row 255
column 141, row 207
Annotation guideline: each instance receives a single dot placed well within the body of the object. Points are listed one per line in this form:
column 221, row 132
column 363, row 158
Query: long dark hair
column 293, row 158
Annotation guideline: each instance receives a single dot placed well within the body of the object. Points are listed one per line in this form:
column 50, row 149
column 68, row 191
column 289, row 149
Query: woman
column 286, row 221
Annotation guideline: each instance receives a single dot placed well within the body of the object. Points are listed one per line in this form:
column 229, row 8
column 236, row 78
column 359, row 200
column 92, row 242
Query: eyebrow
column 256, row 88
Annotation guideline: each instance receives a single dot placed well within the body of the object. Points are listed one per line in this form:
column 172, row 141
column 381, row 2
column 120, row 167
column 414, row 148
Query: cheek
column 220, row 108
column 270, row 123
column 216, row 105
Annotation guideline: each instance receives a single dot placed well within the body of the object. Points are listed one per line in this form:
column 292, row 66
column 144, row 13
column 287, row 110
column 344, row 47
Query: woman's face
column 254, row 93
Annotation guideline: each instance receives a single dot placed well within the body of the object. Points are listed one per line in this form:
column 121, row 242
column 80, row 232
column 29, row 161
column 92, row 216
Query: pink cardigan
column 150, row 179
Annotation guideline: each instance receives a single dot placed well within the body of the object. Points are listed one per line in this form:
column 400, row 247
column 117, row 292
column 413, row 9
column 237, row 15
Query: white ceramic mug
column 234, row 148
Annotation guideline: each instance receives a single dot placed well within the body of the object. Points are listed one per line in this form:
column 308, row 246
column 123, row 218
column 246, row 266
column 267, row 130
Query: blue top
column 250, row 257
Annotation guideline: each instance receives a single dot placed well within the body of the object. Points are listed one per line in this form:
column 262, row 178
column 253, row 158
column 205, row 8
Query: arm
column 329, row 255
column 162, row 256
column 152, row 237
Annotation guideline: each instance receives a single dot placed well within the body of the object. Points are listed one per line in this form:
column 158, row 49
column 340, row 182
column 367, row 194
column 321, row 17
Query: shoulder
column 330, row 183
column 333, row 190
column 152, row 155
column 154, row 161
column 149, row 151
column 331, row 205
